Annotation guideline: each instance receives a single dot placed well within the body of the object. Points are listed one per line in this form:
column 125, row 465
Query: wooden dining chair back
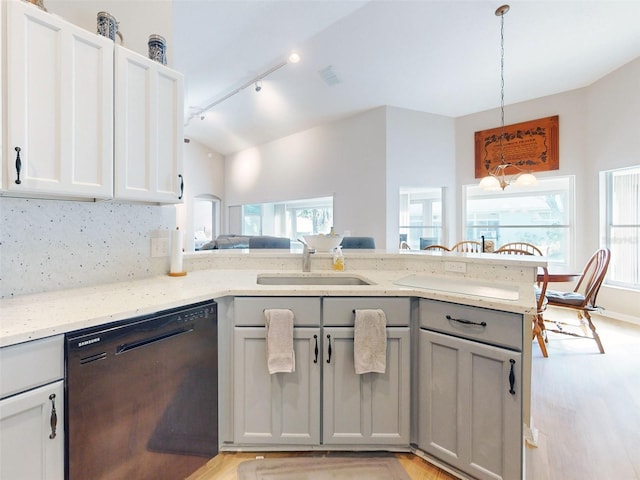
column 437, row 248
column 541, row 299
column 528, row 247
column 583, row 298
column 468, row 246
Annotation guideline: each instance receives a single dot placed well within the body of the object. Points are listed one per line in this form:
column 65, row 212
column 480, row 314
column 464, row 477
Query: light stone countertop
column 45, row 314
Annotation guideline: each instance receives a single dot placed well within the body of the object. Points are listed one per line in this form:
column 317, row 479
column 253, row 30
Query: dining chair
column 469, row 246
column 582, row 298
column 522, row 246
column 541, row 299
column 437, row 248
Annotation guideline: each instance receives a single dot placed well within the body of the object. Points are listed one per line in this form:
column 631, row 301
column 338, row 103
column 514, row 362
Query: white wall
column 613, row 141
column 420, row 153
column 137, row 19
column 572, row 111
column 203, row 175
column 598, row 131
column 362, row 160
column 345, row 159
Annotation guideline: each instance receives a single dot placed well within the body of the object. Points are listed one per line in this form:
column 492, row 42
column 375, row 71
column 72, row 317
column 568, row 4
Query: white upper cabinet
column 149, row 130
column 59, row 103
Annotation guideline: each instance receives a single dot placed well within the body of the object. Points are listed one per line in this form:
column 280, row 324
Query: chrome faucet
column 306, row 257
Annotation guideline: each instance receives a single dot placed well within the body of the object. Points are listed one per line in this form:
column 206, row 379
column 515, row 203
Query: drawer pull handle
column 466, row 322
column 512, row 377
column 54, row 416
column 329, row 350
column 316, row 349
column 181, row 187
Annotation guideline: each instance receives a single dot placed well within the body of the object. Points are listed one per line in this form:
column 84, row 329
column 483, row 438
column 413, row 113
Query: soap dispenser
column 338, row 260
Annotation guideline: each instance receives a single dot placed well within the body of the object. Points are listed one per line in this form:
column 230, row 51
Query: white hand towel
column 280, row 354
column 370, row 341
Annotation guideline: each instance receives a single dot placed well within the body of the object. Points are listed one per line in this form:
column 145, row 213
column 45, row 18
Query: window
column 621, row 225
column 290, row 219
column 206, row 214
column 541, row 215
column 421, row 214
column 252, row 219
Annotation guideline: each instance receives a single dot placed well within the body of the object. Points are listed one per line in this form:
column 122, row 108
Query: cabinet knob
column 18, row 165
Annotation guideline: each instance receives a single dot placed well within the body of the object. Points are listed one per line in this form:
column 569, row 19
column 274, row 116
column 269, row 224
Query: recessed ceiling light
column 294, row 57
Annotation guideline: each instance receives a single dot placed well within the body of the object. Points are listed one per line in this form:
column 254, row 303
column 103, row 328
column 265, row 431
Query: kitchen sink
column 310, row 279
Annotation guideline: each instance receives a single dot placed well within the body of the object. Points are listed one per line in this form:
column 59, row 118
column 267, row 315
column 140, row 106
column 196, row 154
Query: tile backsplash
column 51, row 245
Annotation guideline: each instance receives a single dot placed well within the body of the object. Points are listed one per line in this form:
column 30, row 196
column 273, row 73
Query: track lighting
column 294, row 57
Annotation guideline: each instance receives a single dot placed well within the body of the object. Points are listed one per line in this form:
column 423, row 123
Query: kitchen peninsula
column 419, row 291
column 221, row 273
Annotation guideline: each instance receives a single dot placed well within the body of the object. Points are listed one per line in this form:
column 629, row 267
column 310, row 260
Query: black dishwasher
column 141, row 396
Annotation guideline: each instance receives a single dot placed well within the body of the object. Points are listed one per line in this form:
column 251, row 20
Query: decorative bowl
column 323, row 243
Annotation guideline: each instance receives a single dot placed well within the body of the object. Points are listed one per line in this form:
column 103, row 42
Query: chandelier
column 497, row 177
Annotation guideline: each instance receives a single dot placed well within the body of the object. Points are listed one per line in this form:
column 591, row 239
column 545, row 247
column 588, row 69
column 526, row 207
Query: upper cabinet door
column 149, row 130
column 59, row 107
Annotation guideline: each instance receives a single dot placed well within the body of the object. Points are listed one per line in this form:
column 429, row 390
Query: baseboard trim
column 621, row 317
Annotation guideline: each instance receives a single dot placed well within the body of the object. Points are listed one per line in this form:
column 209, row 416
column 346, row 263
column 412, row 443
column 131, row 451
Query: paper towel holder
column 176, row 269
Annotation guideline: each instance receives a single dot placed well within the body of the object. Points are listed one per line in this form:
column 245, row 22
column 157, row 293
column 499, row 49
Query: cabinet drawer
column 31, row 364
column 249, row 311
column 339, row 311
column 501, row 328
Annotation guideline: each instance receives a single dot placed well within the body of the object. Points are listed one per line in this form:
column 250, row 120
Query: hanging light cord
column 502, row 85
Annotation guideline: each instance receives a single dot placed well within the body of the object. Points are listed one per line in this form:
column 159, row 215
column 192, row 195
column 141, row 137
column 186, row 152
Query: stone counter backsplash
column 50, row 245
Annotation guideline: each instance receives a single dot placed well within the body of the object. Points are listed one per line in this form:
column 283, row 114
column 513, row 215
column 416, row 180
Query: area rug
column 323, row 468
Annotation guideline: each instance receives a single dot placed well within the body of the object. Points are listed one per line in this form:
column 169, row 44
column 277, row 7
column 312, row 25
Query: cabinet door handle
column 329, row 349
column 181, row 186
column 18, row 165
column 316, row 349
column 466, row 322
column 54, row 416
column 512, row 377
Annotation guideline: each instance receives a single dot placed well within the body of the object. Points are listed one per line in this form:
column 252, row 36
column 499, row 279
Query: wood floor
column 585, row 406
column 224, row 466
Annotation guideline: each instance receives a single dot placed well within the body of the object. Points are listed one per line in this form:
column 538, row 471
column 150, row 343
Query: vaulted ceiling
column 436, row 56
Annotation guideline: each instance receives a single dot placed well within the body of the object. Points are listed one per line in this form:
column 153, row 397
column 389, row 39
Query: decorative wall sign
column 530, row 145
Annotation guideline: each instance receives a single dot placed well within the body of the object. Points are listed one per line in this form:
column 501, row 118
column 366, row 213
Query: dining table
column 559, row 276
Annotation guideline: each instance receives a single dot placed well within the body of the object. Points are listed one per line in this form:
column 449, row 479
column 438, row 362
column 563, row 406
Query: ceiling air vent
column 329, row 76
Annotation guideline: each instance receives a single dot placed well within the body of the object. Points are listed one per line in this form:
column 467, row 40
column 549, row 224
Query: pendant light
column 497, row 177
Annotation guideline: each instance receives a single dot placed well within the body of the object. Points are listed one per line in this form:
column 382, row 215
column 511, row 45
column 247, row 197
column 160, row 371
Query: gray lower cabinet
column 373, row 408
column 287, row 408
column 367, row 409
column 278, row 409
column 470, row 399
